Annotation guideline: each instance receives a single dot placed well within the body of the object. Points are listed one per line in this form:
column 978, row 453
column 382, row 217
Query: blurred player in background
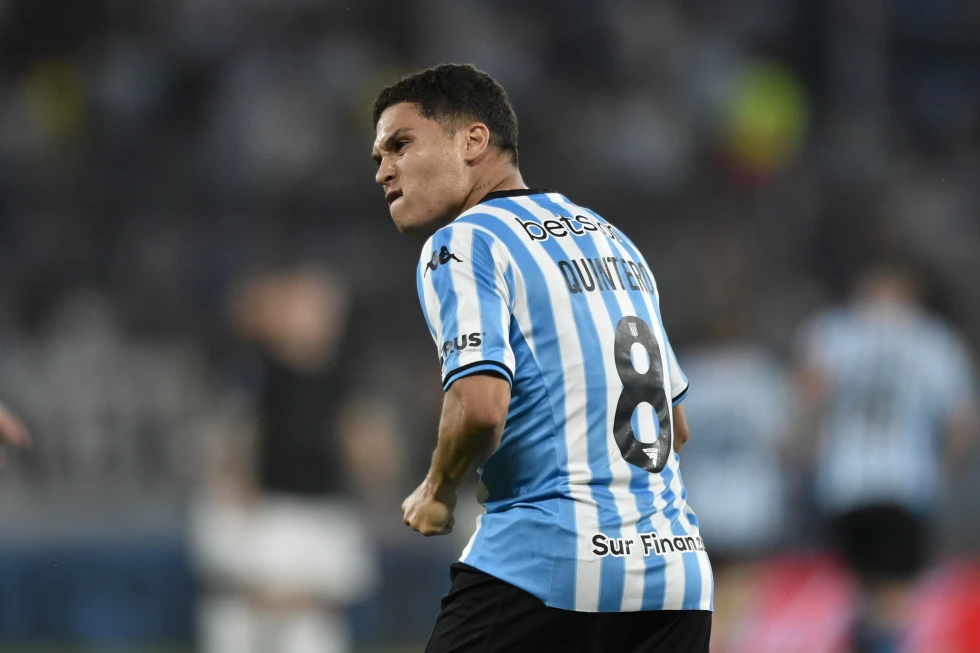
column 889, row 389
column 735, row 466
column 278, row 535
column 560, row 384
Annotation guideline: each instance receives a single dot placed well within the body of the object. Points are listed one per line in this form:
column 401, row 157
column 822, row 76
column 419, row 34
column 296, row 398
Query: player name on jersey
column 602, row 273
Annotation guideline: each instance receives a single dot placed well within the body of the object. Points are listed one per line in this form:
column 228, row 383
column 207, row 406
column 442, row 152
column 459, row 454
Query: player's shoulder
column 507, row 214
column 456, row 231
column 457, row 241
column 491, row 221
column 499, row 209
column 494, row 213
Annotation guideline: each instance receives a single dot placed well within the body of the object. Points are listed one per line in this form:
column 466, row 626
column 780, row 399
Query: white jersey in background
column 740, row 417
column 895, row 376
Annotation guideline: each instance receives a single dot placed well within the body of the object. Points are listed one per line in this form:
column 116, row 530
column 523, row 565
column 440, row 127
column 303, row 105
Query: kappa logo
column 441, row 257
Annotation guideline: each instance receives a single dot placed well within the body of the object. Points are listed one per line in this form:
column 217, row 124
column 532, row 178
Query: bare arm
column 473, row 416
column 681, row 430
column 12, row 431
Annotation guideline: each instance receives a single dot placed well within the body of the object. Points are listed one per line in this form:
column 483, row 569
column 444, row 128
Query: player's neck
column 507, row 180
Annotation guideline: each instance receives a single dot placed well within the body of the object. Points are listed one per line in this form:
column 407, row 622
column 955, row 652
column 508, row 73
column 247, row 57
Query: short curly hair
column 454, row 95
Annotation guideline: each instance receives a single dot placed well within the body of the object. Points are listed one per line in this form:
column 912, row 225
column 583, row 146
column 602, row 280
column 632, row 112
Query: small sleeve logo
column 441, row 257
column 460, row 343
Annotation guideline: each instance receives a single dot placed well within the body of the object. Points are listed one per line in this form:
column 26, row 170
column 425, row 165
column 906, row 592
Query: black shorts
column 883, row 541
column 481, row 614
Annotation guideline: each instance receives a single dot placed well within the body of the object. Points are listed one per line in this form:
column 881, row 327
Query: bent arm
column 12, row 430
column 473, row 416
column 681, row 430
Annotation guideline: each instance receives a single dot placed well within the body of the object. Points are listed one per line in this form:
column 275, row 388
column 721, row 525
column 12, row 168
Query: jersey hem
column 682, row 396
column 478, row 366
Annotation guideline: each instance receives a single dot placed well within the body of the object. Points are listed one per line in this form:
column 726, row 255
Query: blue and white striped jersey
column 895, row 375
column 584, row 504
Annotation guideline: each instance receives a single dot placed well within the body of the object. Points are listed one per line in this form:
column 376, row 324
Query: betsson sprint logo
column 564, row 227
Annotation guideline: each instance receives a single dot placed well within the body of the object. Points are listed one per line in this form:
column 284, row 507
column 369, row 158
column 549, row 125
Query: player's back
column 585, row 507
column 895, row 374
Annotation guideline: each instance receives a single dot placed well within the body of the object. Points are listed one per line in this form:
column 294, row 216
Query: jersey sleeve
column 679, row 384
column 463, row 289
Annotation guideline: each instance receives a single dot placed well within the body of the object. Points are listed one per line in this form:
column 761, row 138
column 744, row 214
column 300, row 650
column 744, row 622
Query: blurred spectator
column 286, row 550
column 376, row 442
column 733, row 465
column 373, row 449
column 116, row 419
column 889, row 393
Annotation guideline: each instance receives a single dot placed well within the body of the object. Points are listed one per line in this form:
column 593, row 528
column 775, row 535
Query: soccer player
column 560, row 384
column 889, row 388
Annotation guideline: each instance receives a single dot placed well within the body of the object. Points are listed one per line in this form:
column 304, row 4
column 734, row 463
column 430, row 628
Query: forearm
column 468, row 435
column 12, row 430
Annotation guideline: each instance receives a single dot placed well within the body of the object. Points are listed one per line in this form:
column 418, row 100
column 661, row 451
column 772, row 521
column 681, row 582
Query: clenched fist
column 430, row 511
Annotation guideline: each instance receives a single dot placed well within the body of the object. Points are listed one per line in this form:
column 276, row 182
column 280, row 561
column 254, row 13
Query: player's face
column 421, row 169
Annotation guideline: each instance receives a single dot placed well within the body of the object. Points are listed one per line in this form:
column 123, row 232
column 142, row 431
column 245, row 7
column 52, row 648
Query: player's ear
column 476, row 139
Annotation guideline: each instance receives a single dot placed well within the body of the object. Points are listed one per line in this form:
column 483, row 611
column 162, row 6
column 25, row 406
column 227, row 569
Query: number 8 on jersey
column 638, row 388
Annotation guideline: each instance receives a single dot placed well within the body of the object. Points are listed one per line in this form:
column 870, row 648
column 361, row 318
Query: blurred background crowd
column 210, row 325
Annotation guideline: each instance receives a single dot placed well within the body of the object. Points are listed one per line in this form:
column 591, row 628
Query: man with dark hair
column 561, row 386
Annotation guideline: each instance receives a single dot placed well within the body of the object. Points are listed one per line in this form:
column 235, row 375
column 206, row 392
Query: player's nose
column 385, row 174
